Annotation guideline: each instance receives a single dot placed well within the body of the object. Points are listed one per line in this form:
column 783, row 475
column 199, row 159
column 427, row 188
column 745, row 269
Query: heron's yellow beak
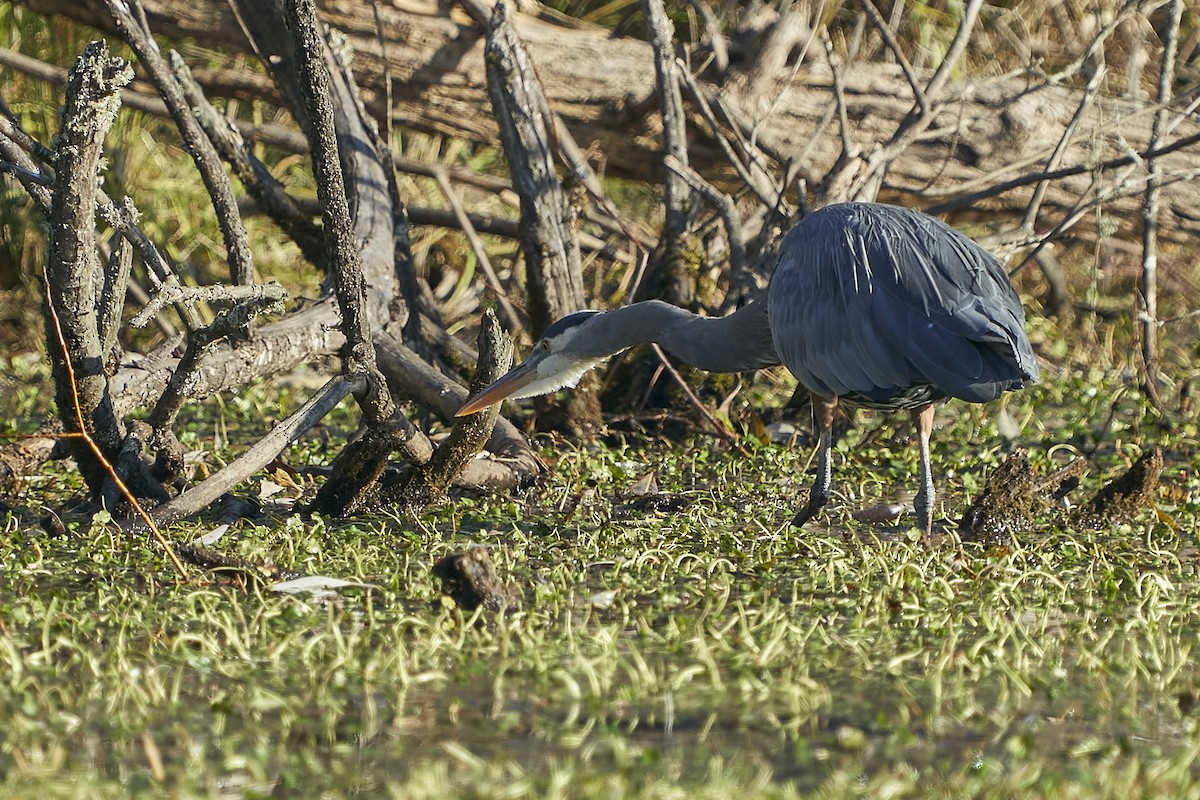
column 518, row 378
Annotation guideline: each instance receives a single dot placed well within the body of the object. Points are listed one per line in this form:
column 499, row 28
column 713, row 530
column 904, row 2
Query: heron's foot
column 815, row 504
column 924, row 520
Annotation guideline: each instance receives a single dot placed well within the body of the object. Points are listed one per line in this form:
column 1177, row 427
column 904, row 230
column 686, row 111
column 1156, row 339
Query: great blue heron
column 869, row 305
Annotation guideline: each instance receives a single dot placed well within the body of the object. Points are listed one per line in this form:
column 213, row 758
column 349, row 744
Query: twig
column 839, row 98
column 27, row 172
column 134, row 32
column 123, row 219
column 1127, row 10
column 387, row 75
column 752, row 172
column 1150, row 209
column 1089, row 94
column 98, row 454
column 227, row 324
column 477, row 246
column 866, row 185
column 738, row 273
column 835, row 186
column 111, row 302
column 885, row 32
column 973, row 198
column 1091, row 199
column 796, row 164
column 717, row 425
column 572, row 156
column 962, row 35
column 173, row 292
column 774, row 41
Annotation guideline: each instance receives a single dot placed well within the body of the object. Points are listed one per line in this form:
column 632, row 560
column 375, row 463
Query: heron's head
column 558, row 360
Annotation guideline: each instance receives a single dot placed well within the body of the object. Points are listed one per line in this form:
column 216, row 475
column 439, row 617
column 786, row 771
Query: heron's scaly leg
column 923, row 503
column 818, row 495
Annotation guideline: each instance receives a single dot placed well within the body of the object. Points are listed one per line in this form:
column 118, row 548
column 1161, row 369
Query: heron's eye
column 544, row 346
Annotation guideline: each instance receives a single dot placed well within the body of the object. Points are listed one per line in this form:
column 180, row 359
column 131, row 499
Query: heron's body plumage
column 889, row 308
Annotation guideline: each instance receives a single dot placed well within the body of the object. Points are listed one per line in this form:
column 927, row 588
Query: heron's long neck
column 740, row 341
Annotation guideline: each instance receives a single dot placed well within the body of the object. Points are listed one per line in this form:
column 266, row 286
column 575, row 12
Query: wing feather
column 872, row 300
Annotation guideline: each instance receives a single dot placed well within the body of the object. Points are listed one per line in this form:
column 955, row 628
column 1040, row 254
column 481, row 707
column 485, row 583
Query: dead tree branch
column 72, row 270
column 669, row 279
column 258, row 181
column 551, row 253
column 428, row 482
column 263, row 452
column 388, row 430
column 129, row 17
column 1150, row 211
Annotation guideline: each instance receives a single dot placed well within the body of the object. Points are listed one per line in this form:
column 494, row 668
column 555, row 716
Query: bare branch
column 237, row 245
column 1150, row 211
column 112, row 295
column 263, row 452
column 867, row 183
column 261, row 294
column 551, row 252
column 670, row 272
column 716, row 39
column 181, row 387
column 349, row 284
column 429, row 481
column 1089, row 95
column 257, row 180
column 72, row 269
column 889, row 39
column 26, row 170
column 752, row 171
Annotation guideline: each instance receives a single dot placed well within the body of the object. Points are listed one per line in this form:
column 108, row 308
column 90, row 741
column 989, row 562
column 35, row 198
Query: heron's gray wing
column 956, row 304
column 821, row 317
column 871, row 300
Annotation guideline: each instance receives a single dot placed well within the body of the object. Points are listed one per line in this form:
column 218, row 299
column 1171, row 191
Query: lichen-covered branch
column 429, row 482
column 72, row 269
column 349, row 286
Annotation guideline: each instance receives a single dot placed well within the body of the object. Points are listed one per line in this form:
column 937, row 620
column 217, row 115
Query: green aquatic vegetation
column 700, row 651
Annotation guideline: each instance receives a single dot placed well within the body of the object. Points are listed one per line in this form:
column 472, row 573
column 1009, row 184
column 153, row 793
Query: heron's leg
column 818, row 495
column 923, row 504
